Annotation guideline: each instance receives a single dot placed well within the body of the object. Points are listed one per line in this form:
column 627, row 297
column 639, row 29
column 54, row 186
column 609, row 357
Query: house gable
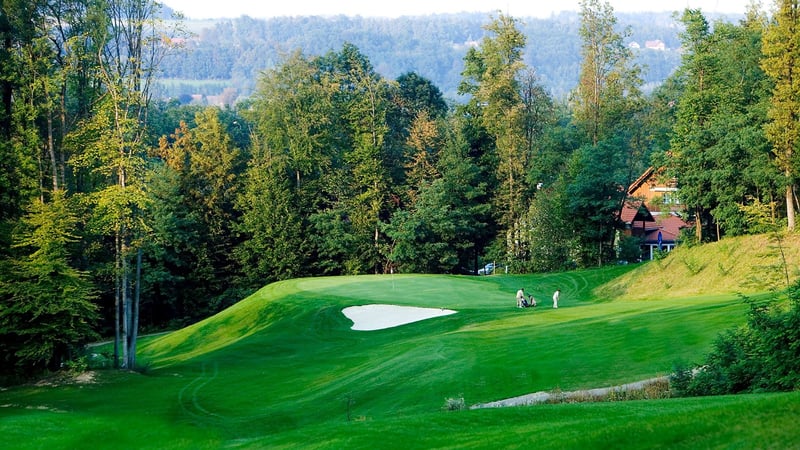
column 655, row 190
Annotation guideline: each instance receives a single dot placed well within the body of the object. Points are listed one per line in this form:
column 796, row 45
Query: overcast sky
column 203, row 9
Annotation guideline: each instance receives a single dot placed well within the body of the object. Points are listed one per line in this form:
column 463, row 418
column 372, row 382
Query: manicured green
column 280, row 368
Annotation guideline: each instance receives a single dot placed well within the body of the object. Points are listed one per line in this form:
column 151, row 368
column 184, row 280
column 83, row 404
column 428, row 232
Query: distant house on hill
column 655, row 45
column 651, row 214
column 656, row 191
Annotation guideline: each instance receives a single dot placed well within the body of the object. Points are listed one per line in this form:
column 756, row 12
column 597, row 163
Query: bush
column 630, row 249
column 762, row 355
column 455, row 403
column 77, row 365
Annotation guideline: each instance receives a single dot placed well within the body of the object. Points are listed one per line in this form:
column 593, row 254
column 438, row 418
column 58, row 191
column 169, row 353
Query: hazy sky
column 201, row 9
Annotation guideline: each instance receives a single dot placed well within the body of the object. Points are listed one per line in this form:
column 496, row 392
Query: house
column 656, row 44
column 656, row 232
column 651, row 213
column 656, row 191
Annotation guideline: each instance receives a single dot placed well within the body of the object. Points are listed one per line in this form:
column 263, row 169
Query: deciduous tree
column 782, row 63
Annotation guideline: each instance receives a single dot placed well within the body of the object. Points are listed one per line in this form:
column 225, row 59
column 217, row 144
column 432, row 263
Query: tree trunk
column 62, row 163
column 117, row 302
column 126, row 313
column 51, row 149
column 790, row 207
column 135, row 312
column 698, row 224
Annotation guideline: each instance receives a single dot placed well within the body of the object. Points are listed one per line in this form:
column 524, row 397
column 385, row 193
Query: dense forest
column 431, row 46
column 120, row 211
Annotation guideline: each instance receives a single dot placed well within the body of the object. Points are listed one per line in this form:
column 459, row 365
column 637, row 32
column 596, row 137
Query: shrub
column 630, row 249
column 455, row 403
column 762, row 355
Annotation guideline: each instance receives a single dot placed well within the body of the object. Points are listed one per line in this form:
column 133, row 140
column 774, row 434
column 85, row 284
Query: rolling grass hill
column 745, row 264
column 283, row 369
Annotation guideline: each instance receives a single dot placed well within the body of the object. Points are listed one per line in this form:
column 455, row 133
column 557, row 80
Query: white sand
column 379, row 317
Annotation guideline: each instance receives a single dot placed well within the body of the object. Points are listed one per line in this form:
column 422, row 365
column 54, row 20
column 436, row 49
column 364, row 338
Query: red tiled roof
column 635, row 211
column 670, row 227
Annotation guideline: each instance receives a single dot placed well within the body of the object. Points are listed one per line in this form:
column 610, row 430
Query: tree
column 742, row 173
column 719, row 154
column 609, row 81
column 424, row 141
column 212, row 181
column 781, row 62
column 441, row 230
column 296, row 148
column 46, row 305
column 134, row 45
column 362, row 96
column 690, row 137
column 551, row 238
column 20, row 140
column 491, row 76
column 413, row 96
column 606, row 103
column 193, row 205
column 277, row 242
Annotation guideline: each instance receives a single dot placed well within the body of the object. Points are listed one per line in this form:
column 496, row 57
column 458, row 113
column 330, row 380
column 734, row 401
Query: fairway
column 283, row 368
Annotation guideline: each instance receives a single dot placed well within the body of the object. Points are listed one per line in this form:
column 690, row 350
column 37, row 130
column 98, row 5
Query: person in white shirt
column 556, row 295
column 521, row 298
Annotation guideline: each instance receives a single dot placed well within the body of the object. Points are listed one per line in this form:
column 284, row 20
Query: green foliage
column 594, row 199
column 550, row 238
column 189, row 255
column 760, row 356
column 46, row 309
column 454, row 403
column 609, row 80
column 630, row 249
column 780, row 62
column 439, row 233
column 720, row 155
column 509, row 110
column 275, row 233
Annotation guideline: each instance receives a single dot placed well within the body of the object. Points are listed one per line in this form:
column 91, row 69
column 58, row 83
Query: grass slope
column 283, row 369
column 745, row 264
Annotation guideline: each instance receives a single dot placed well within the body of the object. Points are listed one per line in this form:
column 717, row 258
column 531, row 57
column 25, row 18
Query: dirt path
column 542, row 397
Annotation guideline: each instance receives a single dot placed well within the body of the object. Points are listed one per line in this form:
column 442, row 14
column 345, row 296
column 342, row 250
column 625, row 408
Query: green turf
column 283, row 369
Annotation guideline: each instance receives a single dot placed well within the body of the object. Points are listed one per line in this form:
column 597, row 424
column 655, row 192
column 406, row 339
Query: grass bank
column 283, row 369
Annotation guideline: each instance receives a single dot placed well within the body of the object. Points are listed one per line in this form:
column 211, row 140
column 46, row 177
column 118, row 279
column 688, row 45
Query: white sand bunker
column 379, row 317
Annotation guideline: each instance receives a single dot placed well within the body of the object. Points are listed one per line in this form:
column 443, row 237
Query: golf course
column 284, row 368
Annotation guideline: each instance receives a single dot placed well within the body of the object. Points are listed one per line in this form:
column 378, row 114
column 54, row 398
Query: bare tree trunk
column 790, row 207
column 62, row 162
column 135, row 312
column 51, row 149
column 125, row 304
column 117, row 303
column 124, row 279
column 698, row 226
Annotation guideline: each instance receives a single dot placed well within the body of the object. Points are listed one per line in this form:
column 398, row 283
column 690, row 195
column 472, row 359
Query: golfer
column 521, row 298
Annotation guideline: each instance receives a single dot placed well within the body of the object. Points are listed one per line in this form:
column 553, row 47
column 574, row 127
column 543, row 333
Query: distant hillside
column 747, row 264
column 228, row 55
